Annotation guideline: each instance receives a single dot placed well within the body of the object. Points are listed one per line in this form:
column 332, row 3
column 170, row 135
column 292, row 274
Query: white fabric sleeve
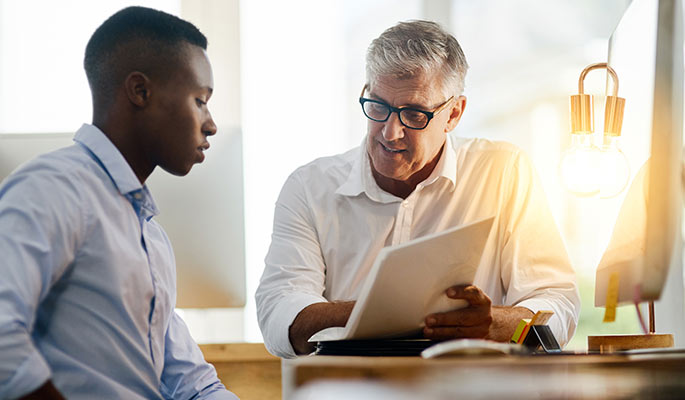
column 41, row 225
column 294, row 274
column 536, row 270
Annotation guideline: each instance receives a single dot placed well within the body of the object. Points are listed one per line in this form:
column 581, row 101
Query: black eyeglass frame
column 398, row 110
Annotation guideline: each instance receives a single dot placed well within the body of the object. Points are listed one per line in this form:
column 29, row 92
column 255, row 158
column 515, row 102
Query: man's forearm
column 504, row 321
column 314, row 318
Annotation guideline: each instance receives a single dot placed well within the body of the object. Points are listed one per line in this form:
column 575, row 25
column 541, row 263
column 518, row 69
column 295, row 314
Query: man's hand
column 470, row 322
column 45, row 392
column 478, row 320
column 314, row 318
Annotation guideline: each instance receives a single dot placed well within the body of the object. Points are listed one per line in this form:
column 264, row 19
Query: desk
column 545, row 376
column 246, row 369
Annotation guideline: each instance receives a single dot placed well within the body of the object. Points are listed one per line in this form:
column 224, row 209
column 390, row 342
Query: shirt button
column 138, row 196
column 405, row 203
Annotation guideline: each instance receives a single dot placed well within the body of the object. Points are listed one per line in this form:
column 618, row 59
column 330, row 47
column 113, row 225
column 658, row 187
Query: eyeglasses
column 412, row 118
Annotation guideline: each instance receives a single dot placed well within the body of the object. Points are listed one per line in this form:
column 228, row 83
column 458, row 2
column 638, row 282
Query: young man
column 88, row 282
column 411, row 177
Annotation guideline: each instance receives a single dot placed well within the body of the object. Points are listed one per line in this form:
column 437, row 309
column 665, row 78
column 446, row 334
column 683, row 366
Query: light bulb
column 578, row 166
column 614, row 170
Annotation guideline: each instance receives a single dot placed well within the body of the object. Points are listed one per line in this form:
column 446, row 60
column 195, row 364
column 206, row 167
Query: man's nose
column 209, row 127
column 393, row 128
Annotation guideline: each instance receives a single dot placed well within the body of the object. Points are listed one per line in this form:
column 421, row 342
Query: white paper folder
column 408, row 282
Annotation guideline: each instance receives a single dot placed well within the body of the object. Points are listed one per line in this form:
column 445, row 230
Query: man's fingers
column 470, row 293
column 473, row 332
column 471, row 316
column 470, row 322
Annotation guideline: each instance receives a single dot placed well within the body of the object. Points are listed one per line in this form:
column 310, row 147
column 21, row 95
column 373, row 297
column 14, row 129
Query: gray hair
column 414, row 48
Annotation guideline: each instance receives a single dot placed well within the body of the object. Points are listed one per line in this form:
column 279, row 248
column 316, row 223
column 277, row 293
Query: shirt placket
column 405, row 216
column 153, row 317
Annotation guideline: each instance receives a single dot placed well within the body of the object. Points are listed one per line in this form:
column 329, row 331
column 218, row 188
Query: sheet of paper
column 408, row 281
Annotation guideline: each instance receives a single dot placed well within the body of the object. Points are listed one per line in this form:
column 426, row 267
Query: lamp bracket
column 581, row 106
column 591, row 67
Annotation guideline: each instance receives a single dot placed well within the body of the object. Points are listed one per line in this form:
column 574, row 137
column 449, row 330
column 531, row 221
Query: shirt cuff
column 219, row 394
column 555, row 323
column 30, row 375
column 277, row 339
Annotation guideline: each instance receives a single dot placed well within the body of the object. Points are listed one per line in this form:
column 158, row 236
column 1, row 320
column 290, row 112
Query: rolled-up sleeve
column 40, row 226
column 294, row 275
column 536, row 271
column 186, row 374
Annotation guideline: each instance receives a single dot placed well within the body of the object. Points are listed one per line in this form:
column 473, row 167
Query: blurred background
column 287, row 77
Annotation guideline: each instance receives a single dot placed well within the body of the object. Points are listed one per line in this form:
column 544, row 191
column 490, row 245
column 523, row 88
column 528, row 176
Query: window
column 42, row 43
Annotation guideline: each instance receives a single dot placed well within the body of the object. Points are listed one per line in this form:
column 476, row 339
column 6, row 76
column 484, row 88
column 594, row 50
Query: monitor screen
column 646, row 51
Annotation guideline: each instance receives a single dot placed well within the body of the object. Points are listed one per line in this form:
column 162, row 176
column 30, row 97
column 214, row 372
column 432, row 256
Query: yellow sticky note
column 612, row 298
column 519, row 330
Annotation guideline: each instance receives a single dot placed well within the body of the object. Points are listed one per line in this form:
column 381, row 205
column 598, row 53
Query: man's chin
column 177, row 171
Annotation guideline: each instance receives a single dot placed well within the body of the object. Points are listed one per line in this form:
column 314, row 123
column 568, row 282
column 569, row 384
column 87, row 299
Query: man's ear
column 137, row 87
column 456, row 111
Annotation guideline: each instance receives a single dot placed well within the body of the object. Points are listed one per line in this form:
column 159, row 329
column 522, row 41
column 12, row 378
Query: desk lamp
column 587, row 169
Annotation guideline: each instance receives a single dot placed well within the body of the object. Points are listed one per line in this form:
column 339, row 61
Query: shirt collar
column 114, row 164
column 353, row 185
column 447, row 165
column 360, row 180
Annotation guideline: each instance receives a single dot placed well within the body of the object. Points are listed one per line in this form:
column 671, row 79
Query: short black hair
column 136, row 39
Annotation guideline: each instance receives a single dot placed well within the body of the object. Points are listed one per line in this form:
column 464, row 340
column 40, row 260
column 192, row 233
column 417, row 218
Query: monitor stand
column 612, row 343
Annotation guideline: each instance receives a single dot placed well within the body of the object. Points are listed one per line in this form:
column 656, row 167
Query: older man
column 88, row 284
column 412, row 177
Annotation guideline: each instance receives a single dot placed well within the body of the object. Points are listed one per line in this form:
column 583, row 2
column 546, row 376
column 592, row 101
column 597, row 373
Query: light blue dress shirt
column 88, row 283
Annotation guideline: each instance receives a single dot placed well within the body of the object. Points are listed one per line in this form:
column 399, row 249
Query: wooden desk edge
column 237, row 352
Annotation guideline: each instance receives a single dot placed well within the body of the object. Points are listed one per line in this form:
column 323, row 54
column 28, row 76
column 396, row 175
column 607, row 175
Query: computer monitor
column 202, row 213
column 646, row 51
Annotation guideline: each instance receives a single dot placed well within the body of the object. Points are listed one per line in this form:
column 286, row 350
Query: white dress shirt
column 332, row 219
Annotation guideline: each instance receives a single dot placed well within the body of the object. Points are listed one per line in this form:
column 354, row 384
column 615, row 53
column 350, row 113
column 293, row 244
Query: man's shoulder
column 484, row 157
column 480, row 147
column 49, row 190
column 52, row 173
column 67, row 160
column 335, row 168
